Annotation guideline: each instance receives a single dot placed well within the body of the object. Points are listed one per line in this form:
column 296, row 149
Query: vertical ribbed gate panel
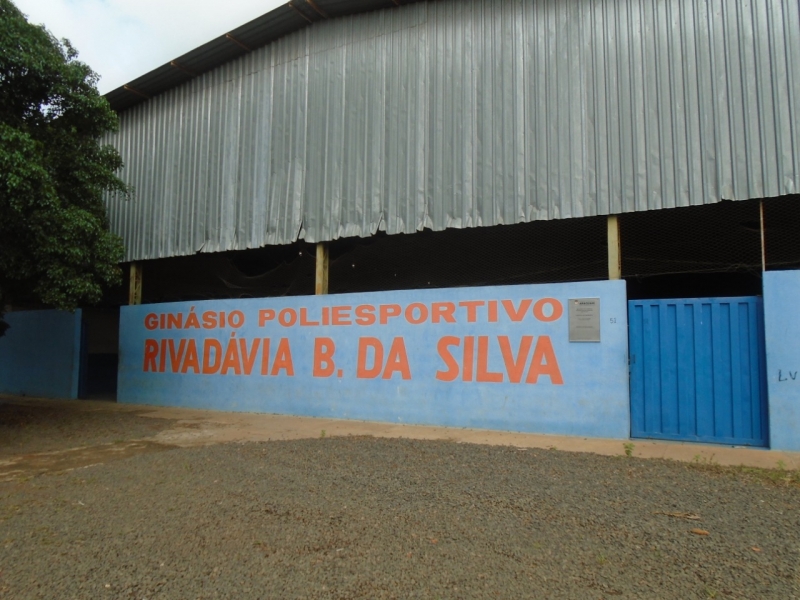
column 466, row 113
column 698, row 370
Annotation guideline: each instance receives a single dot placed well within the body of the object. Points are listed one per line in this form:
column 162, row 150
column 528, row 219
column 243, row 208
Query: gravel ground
column 379, row 518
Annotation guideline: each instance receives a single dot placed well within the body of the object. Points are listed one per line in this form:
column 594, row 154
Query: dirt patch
column 28, row 427
column 25, row 466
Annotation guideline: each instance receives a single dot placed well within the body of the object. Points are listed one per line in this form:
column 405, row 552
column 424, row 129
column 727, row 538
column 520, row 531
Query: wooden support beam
column 299, row 12
column 317, row 9
column 135, row 289
column 239, row 43
column 183, row 68
column 323, row 263
column 135, row 91
column 614, row 251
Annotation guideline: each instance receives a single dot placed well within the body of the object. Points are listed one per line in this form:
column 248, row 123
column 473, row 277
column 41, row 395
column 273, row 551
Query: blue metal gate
column 698, row 370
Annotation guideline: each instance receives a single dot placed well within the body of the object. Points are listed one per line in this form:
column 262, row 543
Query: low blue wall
column 40, row 354
column 782, row 330
column 497, row 358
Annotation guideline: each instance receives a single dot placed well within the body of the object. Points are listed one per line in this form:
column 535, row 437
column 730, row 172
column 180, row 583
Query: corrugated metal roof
column 281, row 21
column 462, row 113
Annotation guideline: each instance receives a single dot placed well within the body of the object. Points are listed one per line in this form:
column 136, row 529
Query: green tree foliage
column 55, row 247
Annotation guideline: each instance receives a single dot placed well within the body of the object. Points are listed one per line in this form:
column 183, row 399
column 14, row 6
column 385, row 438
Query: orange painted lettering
column 443, row 311
column 210, row 367
column 492, row 311
column 472, row 309
column 515, row 367
column 556, row 310
column 236, row 319
column 304, row 322
column 265, row 315
column 421, row 309
column 365, row 315
column 452, row 365
column 232, row 361
column 248, row 360
column 287, row 317
column 209, row 319
column 323, row 357
column 397, row 360
column 388, row 311
column 150, row 355
column 175, row 321
column 340, row 315
column 265, row 357
column 192, row 322
column 364, row 344
column 544, row 362
column 516, row 315
column 469, row 358
column 191, row 361
column 283, row 359
column 484, row 374
column 176, row 357
column 162, row 357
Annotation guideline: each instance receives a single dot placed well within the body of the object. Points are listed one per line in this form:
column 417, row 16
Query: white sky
column 122, row 39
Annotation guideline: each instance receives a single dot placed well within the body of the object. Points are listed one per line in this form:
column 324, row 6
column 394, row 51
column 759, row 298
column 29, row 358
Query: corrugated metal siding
column 463, row 113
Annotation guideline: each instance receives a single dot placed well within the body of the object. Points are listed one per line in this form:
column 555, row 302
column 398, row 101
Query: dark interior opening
column 693, row 252
column 698, row 251
column 99, row 354
column 694, row 285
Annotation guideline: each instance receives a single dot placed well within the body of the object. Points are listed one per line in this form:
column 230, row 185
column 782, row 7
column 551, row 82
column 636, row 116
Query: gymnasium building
column 576, row 217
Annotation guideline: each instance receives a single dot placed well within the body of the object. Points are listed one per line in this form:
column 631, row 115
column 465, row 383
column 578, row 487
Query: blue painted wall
column 425, row 375
column 782, row 331
column 40, row 354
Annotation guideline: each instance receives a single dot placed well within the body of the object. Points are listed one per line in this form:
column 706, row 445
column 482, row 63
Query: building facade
column 629, row 167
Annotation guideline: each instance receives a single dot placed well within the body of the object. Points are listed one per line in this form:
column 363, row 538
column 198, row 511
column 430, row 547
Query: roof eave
column 259, row 32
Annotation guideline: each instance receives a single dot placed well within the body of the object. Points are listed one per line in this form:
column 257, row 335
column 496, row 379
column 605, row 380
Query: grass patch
column 628, row 446
column 779, row 475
